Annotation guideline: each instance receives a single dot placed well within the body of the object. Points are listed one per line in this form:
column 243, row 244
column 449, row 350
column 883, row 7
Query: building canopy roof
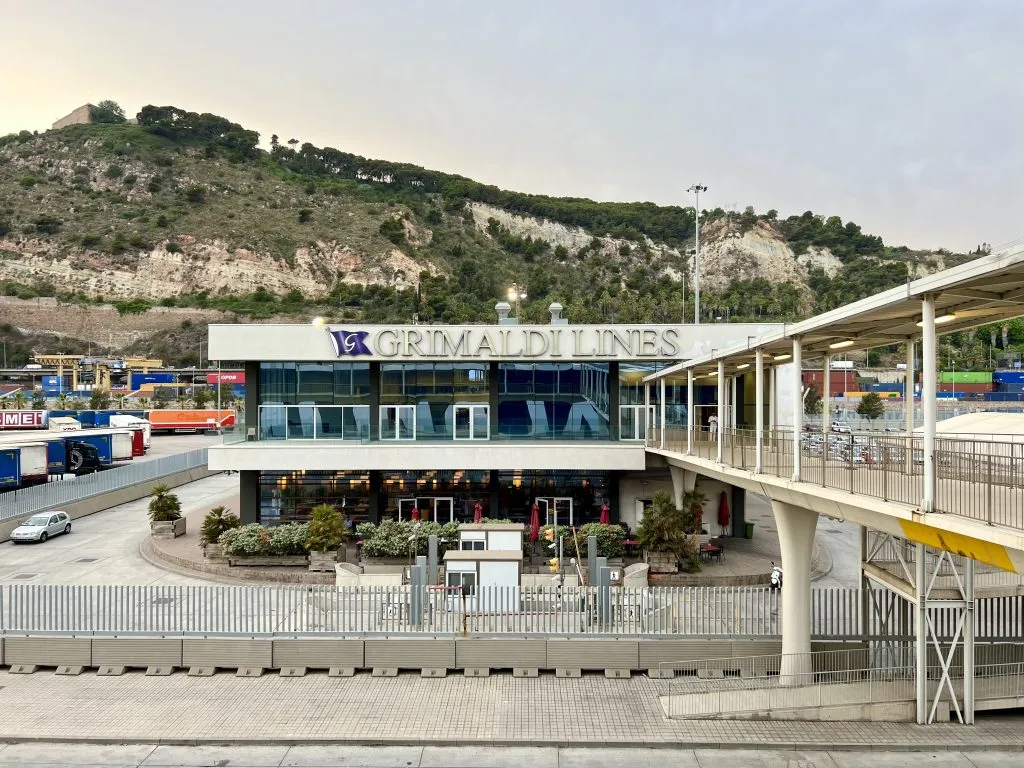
column 986, row 290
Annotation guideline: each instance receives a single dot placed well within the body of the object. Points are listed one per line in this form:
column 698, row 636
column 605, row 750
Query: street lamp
column 516, row 294
column 696, row 189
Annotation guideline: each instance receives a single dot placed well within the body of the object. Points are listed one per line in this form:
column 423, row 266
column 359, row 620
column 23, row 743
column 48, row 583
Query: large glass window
column 633, row 419
column 553, row 400
column 520, row 489
column 436, row 495
column 329, row 401
column 435, row 399
column 288, row 497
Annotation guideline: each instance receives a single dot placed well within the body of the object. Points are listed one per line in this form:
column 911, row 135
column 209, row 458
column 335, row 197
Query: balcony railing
column 979, row 479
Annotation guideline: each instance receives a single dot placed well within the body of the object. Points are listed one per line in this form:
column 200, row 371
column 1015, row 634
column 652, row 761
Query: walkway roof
column 985, row 290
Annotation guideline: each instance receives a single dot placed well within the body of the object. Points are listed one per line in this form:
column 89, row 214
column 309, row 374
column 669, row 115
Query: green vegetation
column 871, row 406
column 164, row 506
column 327, row 529
column 216, row 522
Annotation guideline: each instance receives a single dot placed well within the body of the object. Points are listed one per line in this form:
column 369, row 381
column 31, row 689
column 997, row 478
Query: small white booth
column 490, row 537
column 489, row 578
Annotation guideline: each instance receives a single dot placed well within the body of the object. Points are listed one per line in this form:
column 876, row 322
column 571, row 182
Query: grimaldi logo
column 350, row 343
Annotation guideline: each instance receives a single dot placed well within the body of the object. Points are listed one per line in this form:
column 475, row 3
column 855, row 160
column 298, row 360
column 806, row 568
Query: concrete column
column 968, row 702
column 908, row 409
column 647, row 409
column 773, row 399
column 758, row 407
column 733, row 403
column 720, row 409
column 928, row 385
column 252, row 396
column 739, row 511
column 826, row 397
column 494, row 489
column 661, row 410
column 494, row 398
column 683, row 481
column 796, row 527
column 690, row 416
column 798, row 406
column 613, row 400
column 921, row 634
column 375, row 384
column 377, row 503
column 249, row 495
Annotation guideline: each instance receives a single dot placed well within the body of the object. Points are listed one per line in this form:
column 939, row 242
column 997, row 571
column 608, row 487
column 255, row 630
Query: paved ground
column 589, row 711
column 135, row 755
column 167, row 445
column 111, row 540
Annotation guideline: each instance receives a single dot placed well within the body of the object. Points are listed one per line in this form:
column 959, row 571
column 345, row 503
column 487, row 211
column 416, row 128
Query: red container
column 839, row 381
column 967, row 389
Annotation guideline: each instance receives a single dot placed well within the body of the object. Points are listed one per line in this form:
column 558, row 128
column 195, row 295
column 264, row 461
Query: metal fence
column 56, row 493
column 979, row 479
column 682, row 612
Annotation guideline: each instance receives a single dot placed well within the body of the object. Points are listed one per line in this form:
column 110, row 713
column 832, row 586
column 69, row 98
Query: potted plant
column 217, row 520
column 165, row 520
column 258, row 545
column 662, row 535
column 693, row 514
column 327, row 532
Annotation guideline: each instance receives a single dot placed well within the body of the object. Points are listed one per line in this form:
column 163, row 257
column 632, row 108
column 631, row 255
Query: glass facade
column 437, row 495
column 433, row 401
column 573, row 493
column 288, row 497
column 553, row 400
column 315, row 400
column 634, row 416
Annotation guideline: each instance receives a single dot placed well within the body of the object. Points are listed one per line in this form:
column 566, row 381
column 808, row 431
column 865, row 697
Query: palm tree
column 19, row 400
column 62, row 401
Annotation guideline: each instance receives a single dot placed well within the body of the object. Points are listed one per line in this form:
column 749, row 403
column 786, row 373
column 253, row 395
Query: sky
column 905, row 116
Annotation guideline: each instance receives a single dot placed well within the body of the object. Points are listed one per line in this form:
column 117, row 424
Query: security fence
column 60, row 492
column 680, row 612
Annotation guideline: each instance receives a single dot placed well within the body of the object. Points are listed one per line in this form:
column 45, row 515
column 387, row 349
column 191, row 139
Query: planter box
column 214, row 553
column 267, row 561
column 661, row 562
column 322, row 561
column 168, row 530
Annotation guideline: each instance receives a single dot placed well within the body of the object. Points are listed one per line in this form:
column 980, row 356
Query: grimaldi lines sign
column 509, row 342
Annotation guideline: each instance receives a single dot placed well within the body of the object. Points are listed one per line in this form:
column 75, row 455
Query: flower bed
column 392, row 539
column 255, row 540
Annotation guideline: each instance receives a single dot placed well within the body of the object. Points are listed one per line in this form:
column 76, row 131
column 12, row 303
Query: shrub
column 5, row 227
column 609, row 539
column 161, row 221
column 394, row 539
column 91, row 241
column 662, row 528
column 47, row 225
column 393, row 230
column 195, row 195
column 217, row 521
column 327, row 529
column 304, row 215
column 113, row 171
column 129, row 180
column 27, row 181
column 256, row 539
column 154, row 185
column 163, row 505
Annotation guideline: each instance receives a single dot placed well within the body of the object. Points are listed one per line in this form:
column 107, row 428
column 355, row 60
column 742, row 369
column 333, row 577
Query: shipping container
column 34, row 464
column 1006, row 386
column 886, row 388
column 226, row 377
column 1008, row 377
column 965, row 377
column 10, row 468
column 137, row 380
column 966, row 388
column 1004, row 397
column 133, row 423
column 23, row 419
column 190, row 421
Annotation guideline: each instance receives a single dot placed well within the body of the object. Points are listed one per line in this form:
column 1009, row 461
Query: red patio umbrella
column 604, row 514
column 723, row 510
column 534, row 523
column 415, row 514
column 478, row 512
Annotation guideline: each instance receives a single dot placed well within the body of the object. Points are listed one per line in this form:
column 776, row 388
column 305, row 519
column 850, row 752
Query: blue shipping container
column 56, row 457
column 1008, row 377
column 136, row 380
column 10, row 468
column 1005, row 397
column 1008, row 386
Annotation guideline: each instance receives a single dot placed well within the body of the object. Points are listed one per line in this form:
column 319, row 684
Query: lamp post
column 696, row 189
column 516, row 294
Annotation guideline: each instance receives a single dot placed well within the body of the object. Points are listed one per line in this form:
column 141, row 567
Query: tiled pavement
column 590, row 711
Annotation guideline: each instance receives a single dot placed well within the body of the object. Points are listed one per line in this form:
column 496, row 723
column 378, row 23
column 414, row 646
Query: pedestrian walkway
column 588, row 711
column 147, row 755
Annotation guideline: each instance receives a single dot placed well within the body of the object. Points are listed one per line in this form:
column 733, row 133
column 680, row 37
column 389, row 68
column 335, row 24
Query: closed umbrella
column 723, row 510
column 534, row 523
column 478, row 512
column 416, row 514
column 604, row 514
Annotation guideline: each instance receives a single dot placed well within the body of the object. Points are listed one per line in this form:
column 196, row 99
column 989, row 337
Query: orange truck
column 171, row 421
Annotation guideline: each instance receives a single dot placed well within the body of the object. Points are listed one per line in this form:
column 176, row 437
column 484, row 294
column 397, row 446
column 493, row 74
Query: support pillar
column 908, row 409
column 375, row 384
column 733, row 403
column 613, row 400
column 251, row 406
column 796, row 527
column 928, row 386
column 758, row 408
column 968, row 709
column 494, row 400
column 798, row 407
column 661, row 411
column 826, row 397
column 494, row 489
column 647, row 409
column 720, row 410
column 690, row 416
column 921, row 634
column 683, row 481
column 249, row 496
column 376, row 505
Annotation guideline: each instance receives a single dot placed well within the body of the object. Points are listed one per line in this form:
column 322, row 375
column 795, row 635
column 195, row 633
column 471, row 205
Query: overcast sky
column 904, row 116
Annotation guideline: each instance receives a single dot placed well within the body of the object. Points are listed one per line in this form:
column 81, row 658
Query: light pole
column 515, row 295
column 696, row 189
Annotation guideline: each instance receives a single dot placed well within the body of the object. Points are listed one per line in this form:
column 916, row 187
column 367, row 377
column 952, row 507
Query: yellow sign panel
column 976, row 549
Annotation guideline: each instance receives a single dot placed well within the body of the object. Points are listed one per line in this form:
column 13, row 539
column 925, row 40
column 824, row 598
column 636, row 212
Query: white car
column 841, row 427
column 41, row 527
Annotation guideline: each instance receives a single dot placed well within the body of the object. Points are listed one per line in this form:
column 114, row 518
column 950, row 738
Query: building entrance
column 472, row 422
column 558, row 508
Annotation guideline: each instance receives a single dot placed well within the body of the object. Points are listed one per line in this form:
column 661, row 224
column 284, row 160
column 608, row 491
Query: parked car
column 841, row 426
column 41, row 527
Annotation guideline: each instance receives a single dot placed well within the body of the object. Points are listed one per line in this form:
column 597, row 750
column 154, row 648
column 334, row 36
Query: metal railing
column 59, row 492
column 979, row 479
column 682, row 612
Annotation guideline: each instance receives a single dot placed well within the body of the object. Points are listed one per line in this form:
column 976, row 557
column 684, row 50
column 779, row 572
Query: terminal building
column 384, row 420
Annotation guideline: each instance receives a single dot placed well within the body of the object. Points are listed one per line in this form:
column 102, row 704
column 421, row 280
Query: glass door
column 556, row 506
column 444, row 510
column 398, row 422
column 635, row 420
column 472, row 422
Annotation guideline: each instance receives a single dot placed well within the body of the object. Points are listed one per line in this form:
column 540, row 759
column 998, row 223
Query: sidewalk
column 589, row 711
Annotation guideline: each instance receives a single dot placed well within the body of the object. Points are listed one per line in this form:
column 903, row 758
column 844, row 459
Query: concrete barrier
column 396, row 653
column 225, row 653
column 318, row 654
column 137, row 652
column 572, row 654
column 48, row 651
column 518, row 653
column 103, row 501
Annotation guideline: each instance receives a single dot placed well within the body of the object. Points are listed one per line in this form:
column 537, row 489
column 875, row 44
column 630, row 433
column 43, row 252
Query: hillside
column 184, row 210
